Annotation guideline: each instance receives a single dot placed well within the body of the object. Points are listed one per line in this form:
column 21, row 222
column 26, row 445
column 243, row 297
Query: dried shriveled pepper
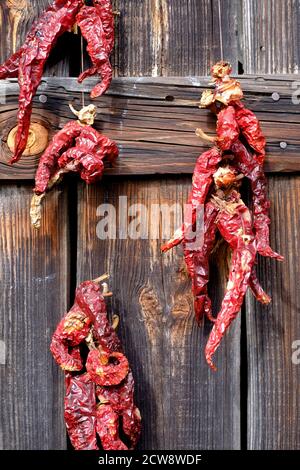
column 31, row 59
column 80, row 412
column 97, row 26
column 79, row 148
column 240, row 150
column 105, row 11
column 99, row 401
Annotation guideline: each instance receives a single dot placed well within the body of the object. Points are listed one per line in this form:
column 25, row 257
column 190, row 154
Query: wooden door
column 164, row 48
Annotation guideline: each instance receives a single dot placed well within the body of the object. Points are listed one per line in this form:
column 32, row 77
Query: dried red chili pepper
column 71, row 331
column 206, row 166
column 224, row 210
column 121, row 399
column 91, row 27
column 108, row 428
column 235, row 225
column 107, row 369
column 254, row 171
column 78, row 147
column 251, row 130
column 91, row 408
column 105, row 11
column 57, row 19
column 88, row 296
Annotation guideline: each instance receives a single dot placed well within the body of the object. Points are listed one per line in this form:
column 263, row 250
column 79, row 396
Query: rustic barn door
column 253, row 400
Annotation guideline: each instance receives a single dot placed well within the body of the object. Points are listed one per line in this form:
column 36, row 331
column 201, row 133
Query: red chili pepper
column 80, row 412
column 250, row 128
column 105, row 11
column 235, row 225
column 121, row 399
column 197, row 261
column 224, row 210
column 88, row 296
column 71, row 331
column 78, row 147
column 91, row 26
column 250, row 167
column 48, row 164
column 257, row 290
column 227, row 128
column 206, row 166
column 57, row 19
column 107, row 428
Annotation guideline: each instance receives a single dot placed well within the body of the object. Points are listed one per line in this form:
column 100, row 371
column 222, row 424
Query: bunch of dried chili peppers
column 97, row 27
column 238, row 152
column 99, row 389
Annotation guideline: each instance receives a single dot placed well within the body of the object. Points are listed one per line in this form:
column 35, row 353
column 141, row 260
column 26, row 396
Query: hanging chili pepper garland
column 100, row 393
column 79, row 148
column 97, row 26
column 238, row 152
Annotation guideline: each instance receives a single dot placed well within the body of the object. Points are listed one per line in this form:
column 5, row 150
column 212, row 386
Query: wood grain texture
column 173, row 37
column 184, row 404
column 269, row 36
column 34, row 294
column 274, row 380
column 153, row 121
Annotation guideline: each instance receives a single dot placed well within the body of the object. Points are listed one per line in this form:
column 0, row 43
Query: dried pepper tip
column 107, row 369
column 36, row 210
column 210, row 362
column 86, row 115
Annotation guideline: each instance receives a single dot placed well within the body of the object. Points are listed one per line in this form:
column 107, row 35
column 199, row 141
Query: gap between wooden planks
column 153, row 121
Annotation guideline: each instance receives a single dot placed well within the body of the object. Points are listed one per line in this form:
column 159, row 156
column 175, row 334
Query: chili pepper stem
column 115, row 321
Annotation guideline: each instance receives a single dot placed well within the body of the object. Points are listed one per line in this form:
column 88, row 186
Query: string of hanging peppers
column 238, row 152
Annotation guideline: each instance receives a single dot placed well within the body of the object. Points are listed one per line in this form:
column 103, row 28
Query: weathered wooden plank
column 34, row 294
column 173, row 37
column 184, row 404
column 269, row 36
column 272, row 333
column 16, row 18
column 154, row 121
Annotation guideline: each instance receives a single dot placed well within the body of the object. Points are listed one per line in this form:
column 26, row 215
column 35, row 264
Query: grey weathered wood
column 156, row 135
column 173, row 37
column 184, row 404
column 274, row 380
column 34, row 284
